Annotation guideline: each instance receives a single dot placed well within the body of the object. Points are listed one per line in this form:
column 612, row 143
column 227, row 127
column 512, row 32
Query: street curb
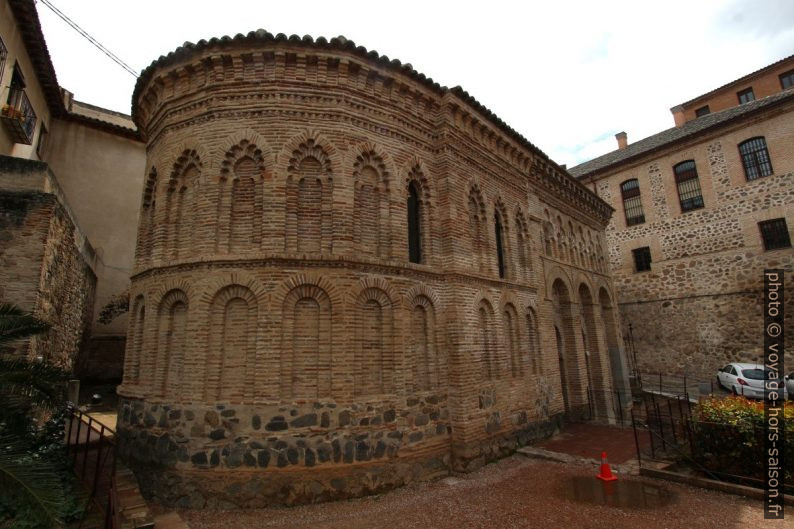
column 730, row 488
column 630, row 468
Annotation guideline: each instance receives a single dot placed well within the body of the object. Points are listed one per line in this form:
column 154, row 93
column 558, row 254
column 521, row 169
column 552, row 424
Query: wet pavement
column 630, row 493
column 514, row 493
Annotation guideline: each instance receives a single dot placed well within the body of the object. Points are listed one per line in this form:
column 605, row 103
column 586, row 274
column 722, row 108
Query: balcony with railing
column 18, row 116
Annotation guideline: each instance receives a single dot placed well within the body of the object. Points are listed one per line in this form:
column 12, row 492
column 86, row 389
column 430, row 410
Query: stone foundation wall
column 284, row 455
column 288, row 439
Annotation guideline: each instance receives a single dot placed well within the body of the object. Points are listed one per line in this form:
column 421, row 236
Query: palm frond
column 36, row 383
column 9, row 309
column 31, row 477
column 16, row 323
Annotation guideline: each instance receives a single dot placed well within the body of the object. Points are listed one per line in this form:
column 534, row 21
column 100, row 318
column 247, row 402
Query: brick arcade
column 346, row 279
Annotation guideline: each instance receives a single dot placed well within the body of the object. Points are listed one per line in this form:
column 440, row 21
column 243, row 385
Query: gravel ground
column 513, row 493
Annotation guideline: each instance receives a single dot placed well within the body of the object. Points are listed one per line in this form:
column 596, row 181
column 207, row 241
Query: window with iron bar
column 632, row 203
column 774, row 234
column 755, row 158
column 688, row 184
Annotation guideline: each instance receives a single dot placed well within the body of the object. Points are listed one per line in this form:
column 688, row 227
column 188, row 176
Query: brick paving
column 589, row 440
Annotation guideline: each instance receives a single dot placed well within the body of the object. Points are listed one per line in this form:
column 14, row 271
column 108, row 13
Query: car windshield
column 755, row 374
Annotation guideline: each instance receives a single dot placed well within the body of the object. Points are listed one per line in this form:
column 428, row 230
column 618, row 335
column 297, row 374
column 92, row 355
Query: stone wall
column 102, row 172
column 288, row 329
column 45, row 261
column 699, row 306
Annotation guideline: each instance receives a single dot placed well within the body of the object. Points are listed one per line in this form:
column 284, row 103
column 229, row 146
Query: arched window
column 500, row 256
column 146, row 226
column 534, row 341
column 632, row 203
column 688, row 184
column 755, row 158
column 306, row 344
column 488, row 361
column 477, row 227
column 414, row 226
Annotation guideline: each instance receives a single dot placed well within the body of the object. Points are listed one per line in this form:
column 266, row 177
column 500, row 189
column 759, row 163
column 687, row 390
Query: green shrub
column 728, row 437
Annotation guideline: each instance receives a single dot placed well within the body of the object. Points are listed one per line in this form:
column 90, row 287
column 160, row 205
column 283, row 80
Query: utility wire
column 90, row 39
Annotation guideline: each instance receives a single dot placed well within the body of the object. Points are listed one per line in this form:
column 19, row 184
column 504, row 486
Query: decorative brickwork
column 317, row 309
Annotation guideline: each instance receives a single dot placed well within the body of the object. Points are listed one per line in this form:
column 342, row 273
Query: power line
column 90, row 39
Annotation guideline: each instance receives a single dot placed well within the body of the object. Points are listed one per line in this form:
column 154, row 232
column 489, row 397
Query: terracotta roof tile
column 337, row 43
column 675, row 134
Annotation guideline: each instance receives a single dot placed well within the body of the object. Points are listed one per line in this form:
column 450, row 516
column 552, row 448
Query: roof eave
column 30, row 29
column 602, row 171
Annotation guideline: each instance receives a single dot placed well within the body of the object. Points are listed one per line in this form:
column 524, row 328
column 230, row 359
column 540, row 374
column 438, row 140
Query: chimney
column 67, row 97
column 623, row 140
column 678, row 115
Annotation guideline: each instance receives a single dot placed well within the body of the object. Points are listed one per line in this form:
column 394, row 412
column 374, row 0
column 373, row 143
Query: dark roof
column 689, row 129
column 740, row 80
column 106, row 126
column 337, row 43
column 28, row 20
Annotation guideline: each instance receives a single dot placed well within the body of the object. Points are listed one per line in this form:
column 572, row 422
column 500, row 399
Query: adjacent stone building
column 348, row 277
column 70, row 178
column 701, row 210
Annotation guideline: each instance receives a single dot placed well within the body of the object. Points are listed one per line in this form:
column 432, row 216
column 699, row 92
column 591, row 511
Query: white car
column 790, row 385
column 745, row 379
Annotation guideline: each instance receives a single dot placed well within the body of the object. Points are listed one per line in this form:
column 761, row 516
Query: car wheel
column 733, row 390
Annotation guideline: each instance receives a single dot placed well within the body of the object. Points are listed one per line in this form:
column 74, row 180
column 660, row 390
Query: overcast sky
column 567, row 75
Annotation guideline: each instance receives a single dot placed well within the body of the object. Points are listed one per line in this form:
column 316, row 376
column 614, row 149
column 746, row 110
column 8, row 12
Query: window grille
column 755, row 158
column 632, row 203
column 688, row 184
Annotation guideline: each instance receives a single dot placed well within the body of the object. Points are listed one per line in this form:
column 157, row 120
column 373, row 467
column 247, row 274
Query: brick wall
column 277, row 322
column 764, row 83
column 45, row 261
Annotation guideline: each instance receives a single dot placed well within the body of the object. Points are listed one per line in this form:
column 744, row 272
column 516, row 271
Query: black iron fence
column 604, row 404
column 666, row 430
column 91, row 448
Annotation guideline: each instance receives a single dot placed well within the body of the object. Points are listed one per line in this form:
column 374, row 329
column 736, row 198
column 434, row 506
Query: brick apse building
column 348, row 277
column 701, row 210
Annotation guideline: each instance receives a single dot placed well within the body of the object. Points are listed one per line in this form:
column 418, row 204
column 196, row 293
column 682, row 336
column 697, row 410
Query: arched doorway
column 572, row 376
column 598, row 379
column 589, row 391
column 563, row 378
column 617, row 362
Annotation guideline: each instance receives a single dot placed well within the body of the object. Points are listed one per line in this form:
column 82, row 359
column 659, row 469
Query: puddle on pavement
column 621, row 493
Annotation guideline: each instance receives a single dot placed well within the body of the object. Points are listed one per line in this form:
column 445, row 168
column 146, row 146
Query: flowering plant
column 11, row 112
column 728, row 436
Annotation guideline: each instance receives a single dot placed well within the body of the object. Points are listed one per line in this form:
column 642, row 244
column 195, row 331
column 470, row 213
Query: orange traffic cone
column 606, row 473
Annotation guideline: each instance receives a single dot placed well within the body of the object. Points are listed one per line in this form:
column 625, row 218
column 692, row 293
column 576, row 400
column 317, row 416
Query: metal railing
column 666, row 429
column 91, row 449
column 670, row 385
column 20, row 114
